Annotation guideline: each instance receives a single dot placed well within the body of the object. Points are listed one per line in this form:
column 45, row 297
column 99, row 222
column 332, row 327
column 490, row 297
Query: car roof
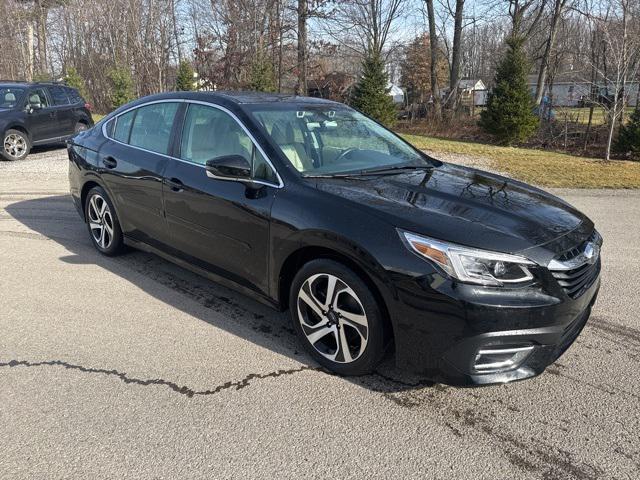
column 9, row 84
column 244, row 98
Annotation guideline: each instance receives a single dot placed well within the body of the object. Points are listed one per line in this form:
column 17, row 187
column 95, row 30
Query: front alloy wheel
column 332, row 318
column 337, row 317
column 15, row 145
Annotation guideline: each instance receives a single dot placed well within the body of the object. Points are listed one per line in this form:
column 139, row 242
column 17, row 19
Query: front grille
column 577, row 280
column 577, row 250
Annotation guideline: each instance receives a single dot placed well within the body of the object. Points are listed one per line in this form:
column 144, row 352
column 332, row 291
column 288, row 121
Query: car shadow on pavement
column 55, row 218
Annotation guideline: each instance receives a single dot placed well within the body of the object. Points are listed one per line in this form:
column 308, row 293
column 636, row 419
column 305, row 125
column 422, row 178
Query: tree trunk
column 433, row 48
column 301, row 87
column 456, row 55
column 29, row 72
column 41, row 15
column 544, row 65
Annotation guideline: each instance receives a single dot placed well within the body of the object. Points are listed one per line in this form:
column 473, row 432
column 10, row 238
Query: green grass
column 581, row 115
column 97, row 117
column 540, row 167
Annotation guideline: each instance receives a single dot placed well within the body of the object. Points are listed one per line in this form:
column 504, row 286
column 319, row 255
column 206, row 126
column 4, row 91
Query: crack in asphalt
column 181, row 389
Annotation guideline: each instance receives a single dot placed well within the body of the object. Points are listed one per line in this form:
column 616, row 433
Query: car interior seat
column 293, row 150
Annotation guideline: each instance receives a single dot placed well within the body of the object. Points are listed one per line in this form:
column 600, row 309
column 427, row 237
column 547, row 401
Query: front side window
column 38, row 97
column 209, row 133
column 10, row 96
column 59, row 96
column 152, row 125
column 325, row 140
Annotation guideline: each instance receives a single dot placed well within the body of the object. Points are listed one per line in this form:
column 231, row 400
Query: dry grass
column 97, row 117
column 540, row 167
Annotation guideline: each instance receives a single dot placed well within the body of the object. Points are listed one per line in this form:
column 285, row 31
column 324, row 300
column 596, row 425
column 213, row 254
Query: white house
column 569, row 89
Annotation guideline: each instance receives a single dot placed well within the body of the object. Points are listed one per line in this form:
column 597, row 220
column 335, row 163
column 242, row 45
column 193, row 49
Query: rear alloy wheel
column 16, row 145
column 337, row 318
column 103, row 223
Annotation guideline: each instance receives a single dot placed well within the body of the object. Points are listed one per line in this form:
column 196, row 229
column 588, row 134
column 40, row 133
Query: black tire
column 17, row 142
column 314, row 275
column 112, row 243
column 80, row 127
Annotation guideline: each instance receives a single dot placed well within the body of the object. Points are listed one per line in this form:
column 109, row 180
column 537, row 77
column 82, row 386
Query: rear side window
column 123, row 127
column 59, row 96
column 152, row 127
column 74, row 96
column 109, row 127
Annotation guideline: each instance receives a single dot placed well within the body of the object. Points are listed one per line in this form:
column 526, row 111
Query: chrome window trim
column 280, row 183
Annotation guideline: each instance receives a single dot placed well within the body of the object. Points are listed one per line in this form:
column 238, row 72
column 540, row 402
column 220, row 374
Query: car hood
column 465, row 206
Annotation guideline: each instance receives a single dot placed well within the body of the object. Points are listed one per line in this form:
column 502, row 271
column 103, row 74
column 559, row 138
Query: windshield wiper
column 394, row 169
column 379, row 171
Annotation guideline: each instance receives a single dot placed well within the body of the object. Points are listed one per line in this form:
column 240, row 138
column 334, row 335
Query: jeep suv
column 38, row 114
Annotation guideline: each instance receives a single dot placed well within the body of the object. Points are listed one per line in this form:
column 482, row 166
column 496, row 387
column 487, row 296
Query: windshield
column 10, row 96
column 327, row 139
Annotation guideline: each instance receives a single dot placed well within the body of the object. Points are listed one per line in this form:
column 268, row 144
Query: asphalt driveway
column 133, row 367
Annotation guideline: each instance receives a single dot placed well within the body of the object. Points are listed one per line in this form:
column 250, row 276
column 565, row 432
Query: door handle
column 52, row 114
column 110, row 162
column 175, row 184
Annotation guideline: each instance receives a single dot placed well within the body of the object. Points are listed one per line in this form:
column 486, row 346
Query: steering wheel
column 345, row 153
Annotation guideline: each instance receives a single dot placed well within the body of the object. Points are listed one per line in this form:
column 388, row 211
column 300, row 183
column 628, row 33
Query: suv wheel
column 337, row 318
column 102, row 222
column 15, row 145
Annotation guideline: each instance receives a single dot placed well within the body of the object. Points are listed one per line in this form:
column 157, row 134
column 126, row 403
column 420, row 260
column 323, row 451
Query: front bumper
column 441, row 327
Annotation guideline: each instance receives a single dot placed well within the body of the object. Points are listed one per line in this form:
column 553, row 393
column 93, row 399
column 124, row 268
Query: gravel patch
column 51, row 160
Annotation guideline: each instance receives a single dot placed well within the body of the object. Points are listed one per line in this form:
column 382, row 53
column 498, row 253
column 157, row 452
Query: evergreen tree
column 184, row 78
column 509, row 113
column 121, row 86
column 371, row 93
column 262, row 77
column 628, row 141
column 74, row 80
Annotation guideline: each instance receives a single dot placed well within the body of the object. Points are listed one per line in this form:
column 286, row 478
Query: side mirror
column 229, row 167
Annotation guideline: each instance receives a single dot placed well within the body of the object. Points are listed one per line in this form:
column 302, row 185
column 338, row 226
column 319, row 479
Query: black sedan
column 306, row 204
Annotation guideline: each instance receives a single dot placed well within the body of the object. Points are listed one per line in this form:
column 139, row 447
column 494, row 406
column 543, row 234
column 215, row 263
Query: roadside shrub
column 371, row 93
column 121, row 87
column 184, row 78
column 628, row 141
column 75, row 80
column 509, row 113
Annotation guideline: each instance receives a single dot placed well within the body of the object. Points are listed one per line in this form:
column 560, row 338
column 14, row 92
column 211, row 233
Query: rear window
column 59, row 96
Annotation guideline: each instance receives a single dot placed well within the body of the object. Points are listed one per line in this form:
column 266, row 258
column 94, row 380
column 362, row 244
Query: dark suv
column 37, row 114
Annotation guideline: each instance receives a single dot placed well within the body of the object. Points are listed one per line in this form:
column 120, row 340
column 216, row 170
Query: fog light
column 495, row 359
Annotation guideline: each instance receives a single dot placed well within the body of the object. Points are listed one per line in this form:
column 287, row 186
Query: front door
column 132, row 167
column 221, row 225
column 42, row 122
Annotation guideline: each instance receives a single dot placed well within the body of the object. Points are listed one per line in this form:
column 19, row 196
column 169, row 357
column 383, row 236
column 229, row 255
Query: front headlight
column 471, row 265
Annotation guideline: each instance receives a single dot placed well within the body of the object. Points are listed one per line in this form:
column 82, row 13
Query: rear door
column 221, row 225
column 41, row 121
column 63, row 109
column 132, row 166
